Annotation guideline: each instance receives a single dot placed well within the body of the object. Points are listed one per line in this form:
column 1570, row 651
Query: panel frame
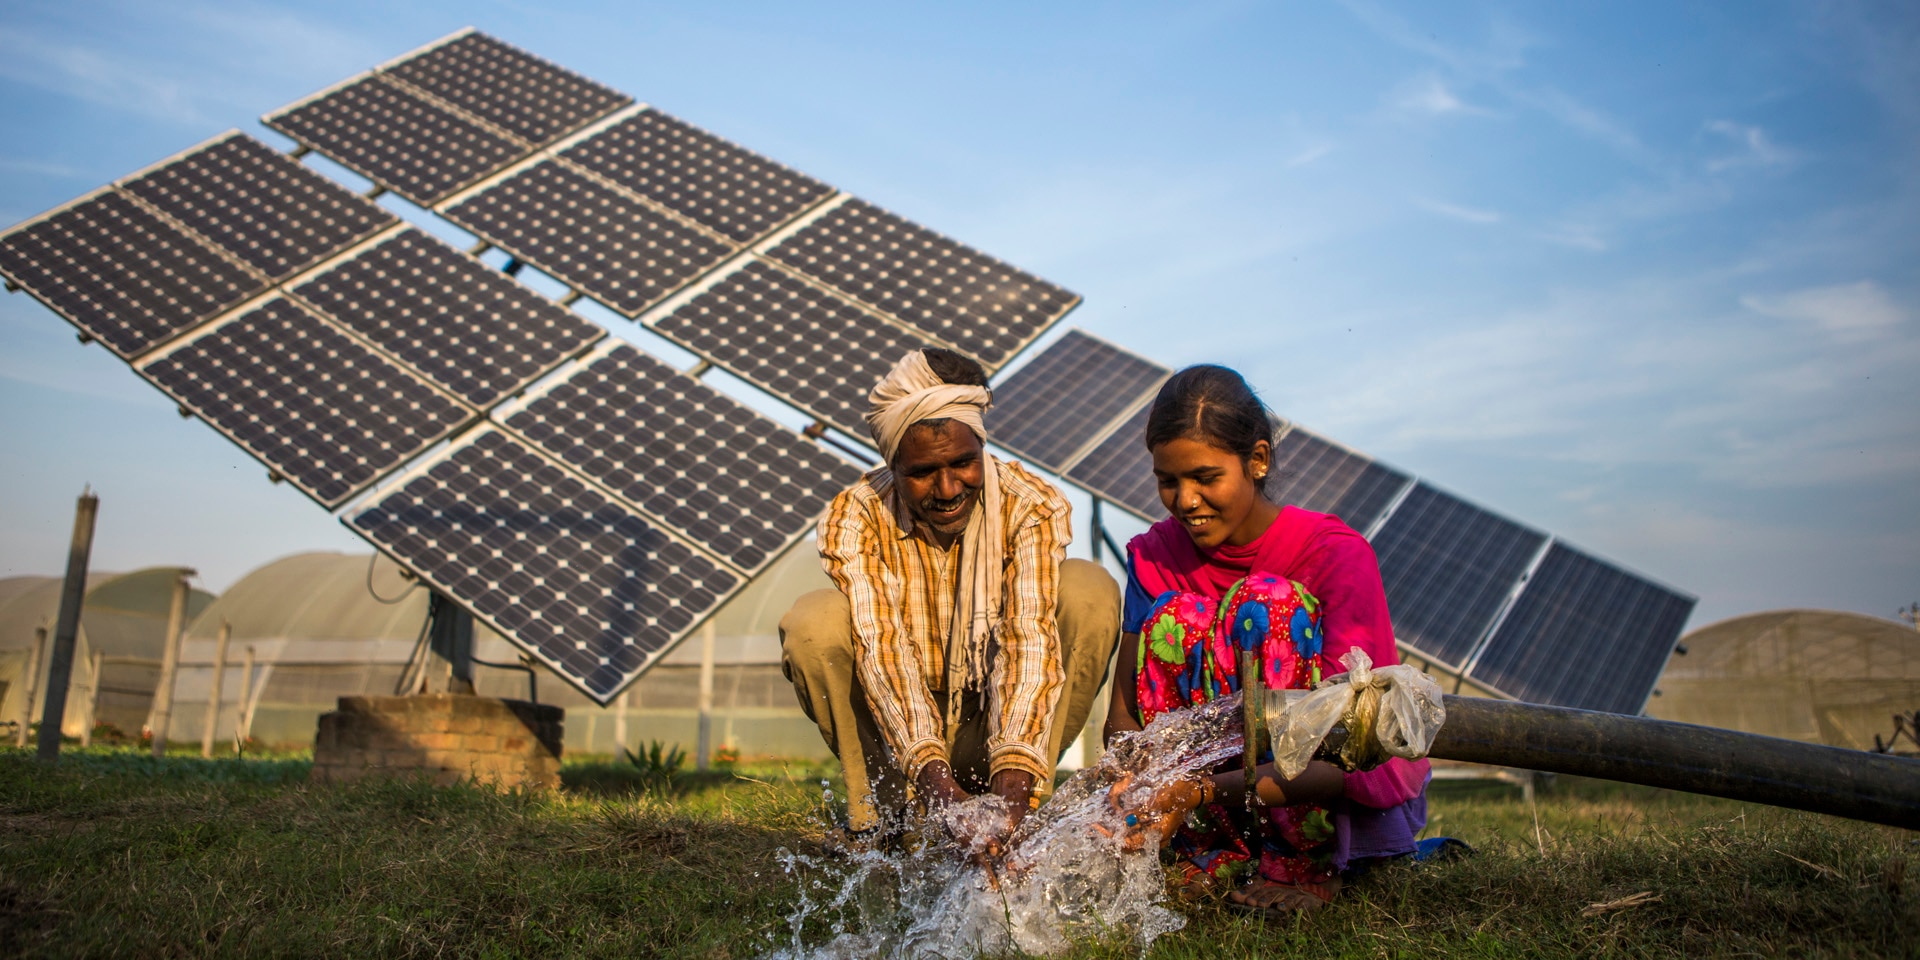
column 839, row 198
column 650, row 321
column 444, row 208
column 499, row 415
column 464, row 425
column 122, row 184
column 267, row 120
column 290, row 288
column 15, row 285
column 396, row 481
column 1104, row 427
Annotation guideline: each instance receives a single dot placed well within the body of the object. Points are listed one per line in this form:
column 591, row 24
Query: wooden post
column 93, row 700
column 29, row 682
column 620, row 708
column 703, row 744
column 162, row 714
column 66, row 628
column 243, row 720
column 213, row 692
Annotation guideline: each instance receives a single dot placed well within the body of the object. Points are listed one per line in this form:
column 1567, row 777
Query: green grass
column 115, row 854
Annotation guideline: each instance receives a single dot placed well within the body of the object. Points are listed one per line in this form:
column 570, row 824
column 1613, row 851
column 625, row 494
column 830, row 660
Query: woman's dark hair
column 953, row 367
column 1213, row 405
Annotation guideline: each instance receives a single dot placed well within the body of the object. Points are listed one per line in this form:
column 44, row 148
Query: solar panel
column 469, row 329
column 313, row 404
column 1448, row 567
column 593, row 237
column 398, row 139
column 725, row 187
column 792, row 339
column 709, row 467
column 1585, row 634
column 1314, row 474
column 978, row 305
column 1067, row 396
column 121, row 273
column 260, row 206
column 593, row 589
column 1120, row 469
column 516, row 91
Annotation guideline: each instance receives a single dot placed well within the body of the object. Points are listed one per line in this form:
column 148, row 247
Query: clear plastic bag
column 1410, row 712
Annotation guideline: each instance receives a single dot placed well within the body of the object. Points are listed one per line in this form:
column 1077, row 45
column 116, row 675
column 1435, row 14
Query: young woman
column 1316, row 588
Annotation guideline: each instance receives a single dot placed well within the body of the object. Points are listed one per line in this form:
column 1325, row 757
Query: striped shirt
column 902, row 587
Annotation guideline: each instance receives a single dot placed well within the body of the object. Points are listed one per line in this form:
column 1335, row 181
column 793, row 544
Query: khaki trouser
column 816, row 646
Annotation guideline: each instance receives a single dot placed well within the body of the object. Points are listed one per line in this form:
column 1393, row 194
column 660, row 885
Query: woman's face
column 1212, row 491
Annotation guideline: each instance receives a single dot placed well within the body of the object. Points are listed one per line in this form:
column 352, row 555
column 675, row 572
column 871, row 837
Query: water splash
column 1065, row 878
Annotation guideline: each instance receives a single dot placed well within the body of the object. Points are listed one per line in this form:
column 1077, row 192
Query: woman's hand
column 1162, row 811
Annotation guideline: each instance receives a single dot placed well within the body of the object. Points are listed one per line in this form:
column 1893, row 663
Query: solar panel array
column 589, row 502
column 1575, row 632
column 440, row 119
column 1628, row 621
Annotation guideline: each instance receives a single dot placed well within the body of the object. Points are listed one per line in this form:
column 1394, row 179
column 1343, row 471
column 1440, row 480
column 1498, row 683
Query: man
column 960, row 652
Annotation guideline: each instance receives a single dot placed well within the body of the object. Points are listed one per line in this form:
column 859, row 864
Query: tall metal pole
column 29, row 682
column 67, row 626
column 213, row 692
column 703, row 746
column 1093, row 536
column 162, row 715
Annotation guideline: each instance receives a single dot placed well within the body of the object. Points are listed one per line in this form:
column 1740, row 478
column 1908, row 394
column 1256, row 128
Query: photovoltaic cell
column 1448, row 567
column 472, row 330
column 1584, row 634
column 516, row 91
column 310, row 402
column 259, row 205
column 727, row 188
column 398, row 140
column 589, row 586
column 1316, row 475
column 1119, row 469
column 708, row 466
column 793, row 340
column 591, row 236
column 1066, row 396
column 970, row 301
column 121, row 274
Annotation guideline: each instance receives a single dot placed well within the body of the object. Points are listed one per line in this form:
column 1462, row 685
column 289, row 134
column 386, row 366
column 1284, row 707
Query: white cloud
column 1755, row 148
column 1430, row 96
column 43, row 169
column 1849, row 312
column 1457, row 212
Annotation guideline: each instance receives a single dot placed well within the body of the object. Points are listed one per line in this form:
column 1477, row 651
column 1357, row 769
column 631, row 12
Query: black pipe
column 1681, row 756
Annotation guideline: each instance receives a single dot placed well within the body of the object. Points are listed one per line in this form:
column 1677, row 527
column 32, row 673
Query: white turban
column 912, row 392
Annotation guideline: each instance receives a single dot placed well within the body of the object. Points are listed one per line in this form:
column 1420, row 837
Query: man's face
column 940, row 472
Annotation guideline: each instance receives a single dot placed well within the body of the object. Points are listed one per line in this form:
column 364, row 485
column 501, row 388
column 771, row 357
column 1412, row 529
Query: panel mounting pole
column 452, row 632
column 67, row 627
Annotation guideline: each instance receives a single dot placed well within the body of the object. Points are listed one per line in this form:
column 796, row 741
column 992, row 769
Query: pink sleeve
column 1342, row 572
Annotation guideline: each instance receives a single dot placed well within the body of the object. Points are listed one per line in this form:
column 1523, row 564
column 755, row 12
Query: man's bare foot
column 1284, row 899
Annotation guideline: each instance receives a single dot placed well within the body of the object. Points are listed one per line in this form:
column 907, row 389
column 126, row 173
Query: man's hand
column 986, row 840
column 936, row 786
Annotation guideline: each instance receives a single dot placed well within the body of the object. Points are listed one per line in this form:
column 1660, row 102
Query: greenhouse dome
column 1818, row 676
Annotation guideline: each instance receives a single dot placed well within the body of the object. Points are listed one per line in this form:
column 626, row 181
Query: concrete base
column 449, row 737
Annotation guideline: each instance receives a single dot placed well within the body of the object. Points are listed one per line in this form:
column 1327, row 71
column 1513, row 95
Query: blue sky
column 1643, row 275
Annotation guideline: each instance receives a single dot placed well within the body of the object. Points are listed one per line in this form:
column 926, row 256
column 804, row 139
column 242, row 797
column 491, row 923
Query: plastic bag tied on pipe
column 1409, row 713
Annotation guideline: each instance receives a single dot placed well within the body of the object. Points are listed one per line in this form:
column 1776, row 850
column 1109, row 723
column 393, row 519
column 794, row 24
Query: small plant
column 659, row 763
column 104, row 732
column 726, row 758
